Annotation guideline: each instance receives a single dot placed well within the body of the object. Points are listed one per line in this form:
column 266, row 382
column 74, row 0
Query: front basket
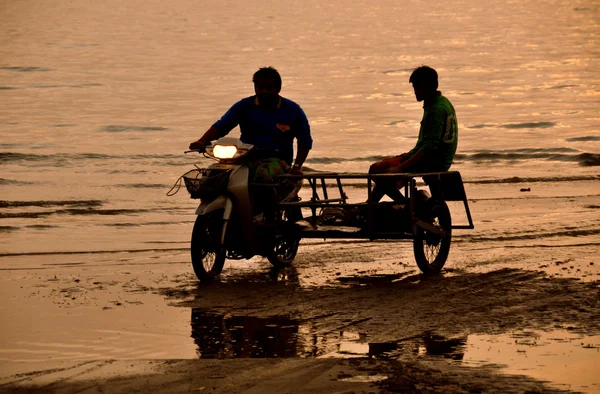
column 204, row 184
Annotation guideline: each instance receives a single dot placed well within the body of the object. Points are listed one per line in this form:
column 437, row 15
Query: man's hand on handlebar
column 198, row 145
column 296, row 170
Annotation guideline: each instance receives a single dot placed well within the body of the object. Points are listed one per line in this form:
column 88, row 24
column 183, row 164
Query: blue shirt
column 268, row 129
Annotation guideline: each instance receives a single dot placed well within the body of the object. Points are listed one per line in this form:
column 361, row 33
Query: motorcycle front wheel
column 286, row 243
column 208, row 255
column 430, row 249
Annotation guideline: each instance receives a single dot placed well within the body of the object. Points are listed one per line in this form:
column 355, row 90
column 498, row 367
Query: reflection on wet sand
column 539, row 355
column 220, row 336
column 428, row 344
column 223, row 336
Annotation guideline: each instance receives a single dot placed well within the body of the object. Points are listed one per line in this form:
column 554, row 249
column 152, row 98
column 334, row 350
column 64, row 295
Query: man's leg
column 377, row 193
column 395, row 194
column 386, row 187
column 268, row 172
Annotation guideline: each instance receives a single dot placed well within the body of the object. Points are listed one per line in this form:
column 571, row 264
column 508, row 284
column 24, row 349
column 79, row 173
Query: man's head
column 425, row 82
column 267, row 85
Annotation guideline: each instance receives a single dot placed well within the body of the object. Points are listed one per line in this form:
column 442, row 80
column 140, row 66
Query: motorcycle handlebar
column 202, row 150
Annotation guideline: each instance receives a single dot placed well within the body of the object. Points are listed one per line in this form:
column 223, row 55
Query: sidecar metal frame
column 327, row 191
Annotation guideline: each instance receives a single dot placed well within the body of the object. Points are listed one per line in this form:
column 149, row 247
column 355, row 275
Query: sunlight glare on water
column 99, row 101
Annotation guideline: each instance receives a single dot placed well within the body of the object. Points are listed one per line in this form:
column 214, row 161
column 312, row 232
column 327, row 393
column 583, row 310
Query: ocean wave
column 561, row 245
column 92, row 252
column 563, row 86
column 59, row 158
column 398, row 71
column 563, row 154
column 41, row 226
column 129, row 224
column 587, row 138
column 558, row 154
column 517, row 179
column 143, row 185
column 25, row 215
column 511, row 155
column 589, row 159
column 336, row 160
column 532, row 235
column 110, row 212
column 526, row 125
column 363, row 184
column 43, row 203
column 4, row 181
column 519, row 154
column 121, row 128
column 26, row 68
column 83, row 85
column 71, row 211
column 59, row 125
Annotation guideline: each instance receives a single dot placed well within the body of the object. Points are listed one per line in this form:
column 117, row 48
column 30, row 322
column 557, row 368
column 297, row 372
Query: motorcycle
column 240, row 219
column 236, row 218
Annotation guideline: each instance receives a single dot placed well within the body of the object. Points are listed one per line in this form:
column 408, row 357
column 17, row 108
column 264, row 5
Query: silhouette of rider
column 270, row 123
column 436, row 144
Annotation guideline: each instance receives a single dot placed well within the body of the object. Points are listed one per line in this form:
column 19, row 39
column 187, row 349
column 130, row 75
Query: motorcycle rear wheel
column 208, row 255
column 431, row 250
column 286, row 244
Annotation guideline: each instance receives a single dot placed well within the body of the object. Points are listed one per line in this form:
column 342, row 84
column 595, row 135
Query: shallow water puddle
column 222, row 336
column 564, row 358
column 364, row 378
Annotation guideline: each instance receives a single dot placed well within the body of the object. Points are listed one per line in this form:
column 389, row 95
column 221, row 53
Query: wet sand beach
column 349, row 317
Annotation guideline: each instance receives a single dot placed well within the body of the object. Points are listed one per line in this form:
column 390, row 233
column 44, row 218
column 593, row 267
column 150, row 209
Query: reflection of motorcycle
column 236, row 336
column 238, row 219
column 225, row 336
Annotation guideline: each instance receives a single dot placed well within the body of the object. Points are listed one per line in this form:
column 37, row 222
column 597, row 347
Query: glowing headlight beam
column 224, row 151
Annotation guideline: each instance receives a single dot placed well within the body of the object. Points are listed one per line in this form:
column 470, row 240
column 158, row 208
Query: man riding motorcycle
column 270, row 123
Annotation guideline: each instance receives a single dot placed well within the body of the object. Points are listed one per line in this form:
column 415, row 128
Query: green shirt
column 438, row 136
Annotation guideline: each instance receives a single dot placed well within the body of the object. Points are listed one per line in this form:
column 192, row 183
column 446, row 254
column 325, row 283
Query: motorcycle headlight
column 225, row 151
column 227, row 148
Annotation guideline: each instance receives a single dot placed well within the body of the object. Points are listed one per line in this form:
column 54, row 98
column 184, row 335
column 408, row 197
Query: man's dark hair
column 268, row 72
column 424, row 77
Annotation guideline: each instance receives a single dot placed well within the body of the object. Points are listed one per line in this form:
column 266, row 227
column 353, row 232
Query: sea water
column 98, row 102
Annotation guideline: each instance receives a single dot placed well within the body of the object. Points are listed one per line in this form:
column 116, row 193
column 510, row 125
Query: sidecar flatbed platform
column 307, row 230
column 327, row 191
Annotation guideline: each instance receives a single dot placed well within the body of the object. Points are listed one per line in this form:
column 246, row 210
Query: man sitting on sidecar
column 270, row 123
column 437, row 141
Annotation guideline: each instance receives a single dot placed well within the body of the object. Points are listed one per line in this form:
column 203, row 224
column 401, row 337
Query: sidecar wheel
column 286, row 244
column 208, row 256
column 430, row 249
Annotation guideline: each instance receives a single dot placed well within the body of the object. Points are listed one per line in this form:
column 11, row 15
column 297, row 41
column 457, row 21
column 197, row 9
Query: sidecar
column 329, row 213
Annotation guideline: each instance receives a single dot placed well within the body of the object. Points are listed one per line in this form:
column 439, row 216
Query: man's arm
column 300, row 158
column 210, row 135
column 222, row 127
column 303, row 139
